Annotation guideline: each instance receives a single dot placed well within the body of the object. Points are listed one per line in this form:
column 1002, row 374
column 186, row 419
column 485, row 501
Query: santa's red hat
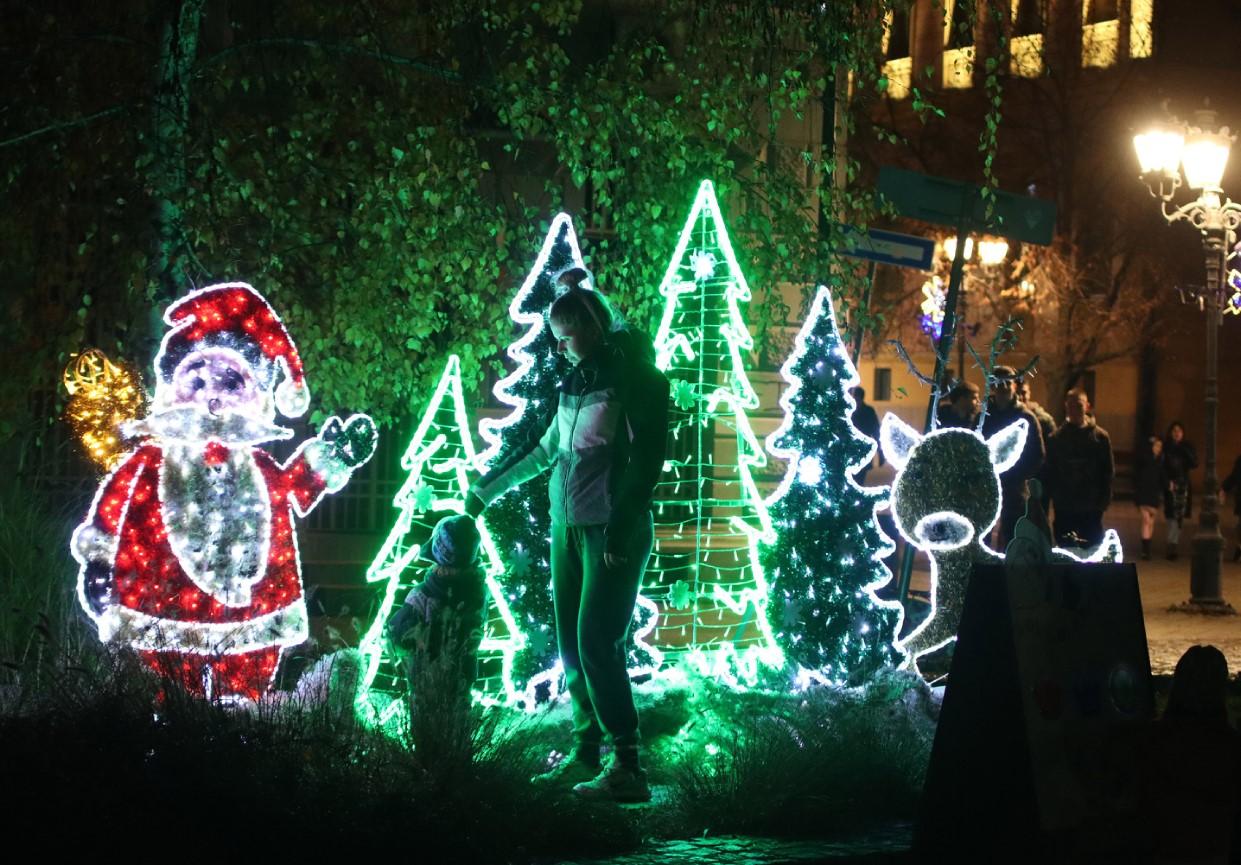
column 235, row 316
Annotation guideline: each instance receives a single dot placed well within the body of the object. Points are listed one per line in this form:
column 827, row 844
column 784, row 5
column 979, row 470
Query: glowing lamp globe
column 992, row 252
column 1204, row 158
column 1159, row 150
column 950, row 247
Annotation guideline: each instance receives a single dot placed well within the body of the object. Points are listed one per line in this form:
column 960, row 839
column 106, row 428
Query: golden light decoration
column 102, row 396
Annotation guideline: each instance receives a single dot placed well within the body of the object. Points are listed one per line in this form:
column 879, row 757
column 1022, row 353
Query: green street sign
column 950, row 202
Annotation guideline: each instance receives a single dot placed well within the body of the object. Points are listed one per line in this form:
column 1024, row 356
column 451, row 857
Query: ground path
column 881, row 847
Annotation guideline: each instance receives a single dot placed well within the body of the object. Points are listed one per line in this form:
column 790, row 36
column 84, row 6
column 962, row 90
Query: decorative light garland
column 825, row 560
column 947, row 485
column 706, row 575
column 102, row 397
column 438, row 461
column 188, row 553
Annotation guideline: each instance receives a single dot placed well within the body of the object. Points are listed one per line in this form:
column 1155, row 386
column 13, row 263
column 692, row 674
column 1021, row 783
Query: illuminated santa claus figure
column 188, row 554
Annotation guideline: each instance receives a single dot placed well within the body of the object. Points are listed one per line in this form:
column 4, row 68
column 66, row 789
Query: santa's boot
column 1172, row 552
column 1146, row 549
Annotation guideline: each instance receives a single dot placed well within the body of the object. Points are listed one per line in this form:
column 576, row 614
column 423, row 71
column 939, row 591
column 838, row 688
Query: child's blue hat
column 454, row 542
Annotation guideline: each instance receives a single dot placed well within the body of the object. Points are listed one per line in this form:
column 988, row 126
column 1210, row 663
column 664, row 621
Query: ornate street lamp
column 1201, row 153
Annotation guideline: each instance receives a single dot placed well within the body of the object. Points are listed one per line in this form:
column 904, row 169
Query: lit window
column 1026, row 44
column 1100, row 33
column 958, row 45
column 1141, row 13
column 898, row 65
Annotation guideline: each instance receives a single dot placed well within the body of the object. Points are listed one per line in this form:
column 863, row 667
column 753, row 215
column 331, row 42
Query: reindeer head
column 947, row 486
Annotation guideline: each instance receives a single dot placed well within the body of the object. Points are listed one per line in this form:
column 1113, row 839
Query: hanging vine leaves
column 379, row 174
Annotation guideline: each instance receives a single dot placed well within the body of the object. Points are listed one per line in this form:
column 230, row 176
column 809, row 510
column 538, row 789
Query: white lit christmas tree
column 438, row 460
column 825, row 561
column 706, row 574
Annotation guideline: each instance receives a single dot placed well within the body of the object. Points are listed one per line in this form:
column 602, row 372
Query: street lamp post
column 990, row 254
column 1201, row 153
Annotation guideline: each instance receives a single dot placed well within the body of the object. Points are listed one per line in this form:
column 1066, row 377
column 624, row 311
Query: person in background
column 1232, row 484
column 1003, row 410
column 1179, row 458
column 866, row 420
column 1148, row 489
column 1080, row 468
column 1046, row 423
column 961, row 408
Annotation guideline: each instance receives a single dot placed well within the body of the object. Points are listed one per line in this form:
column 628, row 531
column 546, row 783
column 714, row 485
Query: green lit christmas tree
column 438, row 460
column 825, row 559
column 519, row 521
column 706, row 575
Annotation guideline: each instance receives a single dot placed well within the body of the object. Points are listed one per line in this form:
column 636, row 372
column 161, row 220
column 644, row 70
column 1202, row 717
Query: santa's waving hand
column 188, row 554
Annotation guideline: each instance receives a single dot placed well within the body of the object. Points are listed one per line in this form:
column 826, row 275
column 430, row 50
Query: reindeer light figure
column 946, row 500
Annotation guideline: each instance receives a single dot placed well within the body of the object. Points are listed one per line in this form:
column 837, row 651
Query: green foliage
column 374, row 172
column 39, row 615
column 827, row 763
column 290, row 777
column 295, row 777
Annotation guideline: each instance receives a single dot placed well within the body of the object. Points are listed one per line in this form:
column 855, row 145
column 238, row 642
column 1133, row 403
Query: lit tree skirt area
column 99, row 741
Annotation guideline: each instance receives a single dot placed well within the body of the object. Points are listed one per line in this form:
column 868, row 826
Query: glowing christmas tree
column 438, row 459
column 519, row 521
column 706, row 573
column 825, row 561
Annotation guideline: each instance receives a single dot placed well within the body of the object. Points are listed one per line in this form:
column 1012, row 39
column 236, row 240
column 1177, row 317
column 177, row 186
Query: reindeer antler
column 941, row 362
column 1005, row 339
column 913, row 369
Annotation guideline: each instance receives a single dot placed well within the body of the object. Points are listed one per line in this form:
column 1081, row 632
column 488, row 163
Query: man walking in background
column 1080, row 468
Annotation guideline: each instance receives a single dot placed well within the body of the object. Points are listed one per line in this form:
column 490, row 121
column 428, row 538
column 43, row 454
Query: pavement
column 1164, row 585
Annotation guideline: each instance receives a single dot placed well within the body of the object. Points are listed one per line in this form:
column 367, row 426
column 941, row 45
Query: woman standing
column 1179, row 458
column 1148, row 494
column 605, row 447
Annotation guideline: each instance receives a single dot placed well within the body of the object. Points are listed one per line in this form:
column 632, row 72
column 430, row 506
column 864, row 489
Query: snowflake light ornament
column 702, row 262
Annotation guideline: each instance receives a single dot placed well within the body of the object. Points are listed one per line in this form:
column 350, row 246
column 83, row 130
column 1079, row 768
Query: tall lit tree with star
column 438, row 461
column 824, row 560
column 706, row 574
column 519, row 521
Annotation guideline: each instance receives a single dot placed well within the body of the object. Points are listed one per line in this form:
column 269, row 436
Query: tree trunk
column 170, row 118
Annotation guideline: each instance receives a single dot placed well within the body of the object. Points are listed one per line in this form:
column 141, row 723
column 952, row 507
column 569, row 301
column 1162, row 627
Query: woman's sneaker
column 568, row 772
column 616, row 783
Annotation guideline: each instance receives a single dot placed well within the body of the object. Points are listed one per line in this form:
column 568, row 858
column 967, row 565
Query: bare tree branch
column 65, row 126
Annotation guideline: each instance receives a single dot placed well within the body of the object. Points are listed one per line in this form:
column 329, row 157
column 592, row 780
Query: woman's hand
column 612, row 560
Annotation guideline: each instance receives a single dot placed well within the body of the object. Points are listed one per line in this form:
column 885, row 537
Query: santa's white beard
column 218, row 519
column 194, row 426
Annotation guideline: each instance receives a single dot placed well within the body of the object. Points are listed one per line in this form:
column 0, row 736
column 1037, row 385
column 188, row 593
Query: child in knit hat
column 439, row 627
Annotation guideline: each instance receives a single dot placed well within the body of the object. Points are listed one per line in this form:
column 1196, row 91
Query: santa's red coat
column 155, row 605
